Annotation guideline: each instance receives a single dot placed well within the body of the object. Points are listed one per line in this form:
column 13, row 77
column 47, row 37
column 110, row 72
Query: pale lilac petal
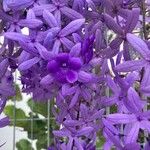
column 24, row 56
column 84, row 111
column 28, row 64
column 110, row 22
column 91, row 5
column 84, row 131
column 48, row 79
column 78, row 144
column 76, row 49
column 50, row 19
column 49, row 40
column 97, row 115
column 61, row 133
column 146, row 114
column 130, row 146
column 16, row 36
column 44, row 53
column 74, row 99
column 70, row 143
column 132, row 20
column 109, row 101
column 4, row 122
column 99, row 39
column 70, row 13
column 129, row 66
column 121, row 118
column 57, row 15
column 134, row 101
column 38, row 10
column 133, row 134
column 146, row 78
column 3, row 67
column 68, row 90
column 72, row 123
column 145, row 125
column 84, row 77
column 139, row 45
column 2, row 104
column 56, row 47
column 112, row 85
column 31, row 14
column 113, row 139
column 108, row 125
column 30, row 23
column 72, row 27
column 18, row 5
column 67, row 43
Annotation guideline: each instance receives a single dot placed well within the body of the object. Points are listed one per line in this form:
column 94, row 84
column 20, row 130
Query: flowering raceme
column 86, row 56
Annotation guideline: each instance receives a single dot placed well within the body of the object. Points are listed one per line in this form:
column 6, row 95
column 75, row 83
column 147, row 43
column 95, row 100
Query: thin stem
column 143, row 6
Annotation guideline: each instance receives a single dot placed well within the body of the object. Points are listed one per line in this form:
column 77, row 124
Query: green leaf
column 18, row 95
column 100, row 141
column 12, row 112
column 39, row 108
column 42, row 142
column 24, row 145
column 39, row 127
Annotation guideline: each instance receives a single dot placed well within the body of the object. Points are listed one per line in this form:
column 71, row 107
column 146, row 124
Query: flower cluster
column 87, row 55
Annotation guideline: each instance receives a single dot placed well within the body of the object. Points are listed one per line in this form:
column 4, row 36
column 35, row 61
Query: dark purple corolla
column 64, row 68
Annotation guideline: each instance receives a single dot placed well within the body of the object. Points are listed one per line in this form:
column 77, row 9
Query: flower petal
column 84, row 76
column 38, row 9
column 61, row 133
column 110, row 22
column 68, row 90
column 75, row 51
column 129, row 66
column 46, row 80
column 44, row 53
column 113, row 139
column 139, row 45
column 3, row 67
column 133, row 134
column 70, row 13
column 132, row 146
column 16, row 36
column 145, row 125
column 109, row 101
column 28, row 64
column 121, row 118
column 74, row 99
column 75, row 63
column 67, row 43
column 133, row 101
column 53, row 66
column 18, row 5
column 146, row 79
column 71, row 76
column 132, row 20
column 30, row 23
column 50, row 19
column 4, row 122
column 56, row 47
column 84, row 131
column 72, row 27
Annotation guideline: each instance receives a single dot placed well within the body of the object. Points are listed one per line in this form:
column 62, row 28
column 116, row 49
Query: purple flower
column 64, row 68
column 85, row 55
